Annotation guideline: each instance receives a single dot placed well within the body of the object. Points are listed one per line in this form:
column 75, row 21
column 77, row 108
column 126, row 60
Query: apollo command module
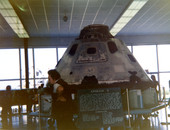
column 97, row 54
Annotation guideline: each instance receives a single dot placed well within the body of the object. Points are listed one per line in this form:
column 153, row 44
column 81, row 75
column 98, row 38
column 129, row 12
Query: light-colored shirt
column 55, row 86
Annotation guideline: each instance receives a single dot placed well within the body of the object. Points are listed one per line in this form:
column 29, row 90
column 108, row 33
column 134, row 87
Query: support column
column 26, row 62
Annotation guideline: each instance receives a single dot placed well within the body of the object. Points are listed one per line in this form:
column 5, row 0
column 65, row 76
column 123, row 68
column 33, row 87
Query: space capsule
column 97, row 55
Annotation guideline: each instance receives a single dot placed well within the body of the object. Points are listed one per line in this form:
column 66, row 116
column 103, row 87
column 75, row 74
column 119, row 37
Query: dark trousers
column 63, row 115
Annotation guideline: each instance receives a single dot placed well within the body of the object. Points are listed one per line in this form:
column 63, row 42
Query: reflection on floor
column 25, row 122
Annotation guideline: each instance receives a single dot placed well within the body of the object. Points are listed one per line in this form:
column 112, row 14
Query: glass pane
column 130, row 48
column 22, row 63
column 24, row 84
column 73, row 49
column 31, row 84
column 38, row 82
column 164, row 53
column 9, row 66
column 112, row 47
column 30, row 62
column 146, row 56
column 15, row 84
column 45, row 59
column 164, row 80
column 61, row 52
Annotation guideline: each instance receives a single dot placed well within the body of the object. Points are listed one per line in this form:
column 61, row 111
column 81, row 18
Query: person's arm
column 60, row 91
column 157, row 87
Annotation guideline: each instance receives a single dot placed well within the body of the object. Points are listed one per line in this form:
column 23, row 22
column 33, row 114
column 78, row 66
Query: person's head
column 153, row 77
column 42, row 85
column 53, row 75
column 8, row 87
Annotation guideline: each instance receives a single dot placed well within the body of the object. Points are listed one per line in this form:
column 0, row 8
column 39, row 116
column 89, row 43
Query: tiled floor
column 25, row 122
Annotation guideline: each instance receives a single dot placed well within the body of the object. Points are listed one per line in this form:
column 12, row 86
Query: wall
column 36, row 42
column 145, row 40
column 65, row 41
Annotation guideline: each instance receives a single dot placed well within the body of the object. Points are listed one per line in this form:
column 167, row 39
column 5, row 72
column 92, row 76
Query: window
column 40, row 61
column 164, row 53
column 9, row 68
column 45, row 59
column 164, row 80
column 146, row 56
column 22, row 64
column 73, row 49
column 61, row 51
column 91, row 50
column 130, row 48
column 164, row 65
column 131, row 58
column 15, row 84
column 112, row 47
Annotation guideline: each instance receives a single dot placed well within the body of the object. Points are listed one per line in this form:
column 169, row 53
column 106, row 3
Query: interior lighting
column 9, row 14
column 131, row 11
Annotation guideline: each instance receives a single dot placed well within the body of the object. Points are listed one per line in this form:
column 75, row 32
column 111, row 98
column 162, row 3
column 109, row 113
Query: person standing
column 60, row 109
column 6, row 106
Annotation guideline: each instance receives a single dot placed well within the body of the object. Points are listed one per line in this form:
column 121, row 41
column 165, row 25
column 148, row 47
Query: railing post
column 127, row 95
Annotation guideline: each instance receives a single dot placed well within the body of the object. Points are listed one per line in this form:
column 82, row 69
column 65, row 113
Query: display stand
column 100, row 108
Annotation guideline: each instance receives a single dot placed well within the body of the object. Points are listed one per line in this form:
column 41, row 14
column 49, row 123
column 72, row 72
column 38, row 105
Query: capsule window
column 73, row 49
column 91, row 50
column 112, row 47
column 131, row 57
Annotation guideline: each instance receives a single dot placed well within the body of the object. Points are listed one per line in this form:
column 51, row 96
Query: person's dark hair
column 54, row 74
column 153, row 77
column 8, row 87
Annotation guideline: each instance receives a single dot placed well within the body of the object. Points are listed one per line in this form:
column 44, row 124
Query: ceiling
column 44, row 18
